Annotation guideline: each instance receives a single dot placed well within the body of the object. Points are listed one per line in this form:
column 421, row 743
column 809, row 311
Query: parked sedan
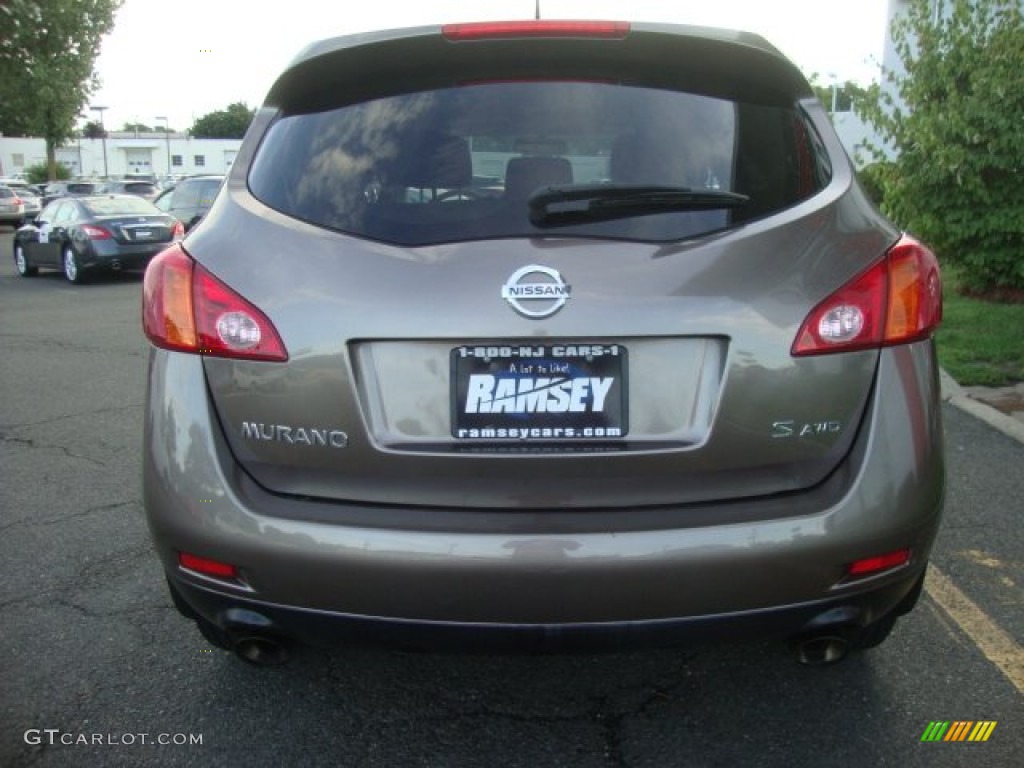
column 23, row 188
column 12, row 207
column 57, row 189
column 144, row 189
column 86, row 234
column 32, row 202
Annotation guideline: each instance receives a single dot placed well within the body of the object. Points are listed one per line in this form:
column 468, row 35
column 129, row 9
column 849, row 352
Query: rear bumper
column 315, row 570
column 110, row 255
column 241, row 618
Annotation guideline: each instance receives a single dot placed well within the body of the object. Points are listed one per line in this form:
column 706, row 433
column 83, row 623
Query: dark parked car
column 57, row 189
column 85, row 234
column 190, row 199
column 546, row 333
column 144, row 189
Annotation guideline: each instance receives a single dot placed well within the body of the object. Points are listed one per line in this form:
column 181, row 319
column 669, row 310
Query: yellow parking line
column 998, row 647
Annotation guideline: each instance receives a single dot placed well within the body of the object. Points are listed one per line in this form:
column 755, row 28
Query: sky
column 182, row 59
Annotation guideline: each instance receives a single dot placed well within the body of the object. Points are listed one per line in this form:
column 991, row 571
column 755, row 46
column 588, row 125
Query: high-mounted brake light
column 186, row 309
column 491, row 30
column 896, row 301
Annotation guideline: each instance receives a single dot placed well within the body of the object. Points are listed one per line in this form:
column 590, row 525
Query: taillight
column 490, row 30
column 206, row 566
column 186, row 309
column 95, row 233
column 878, row 563
column 897, row 300
column 915, row 292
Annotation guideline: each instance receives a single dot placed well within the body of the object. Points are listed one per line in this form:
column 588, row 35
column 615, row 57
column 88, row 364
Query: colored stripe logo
column 958, row 730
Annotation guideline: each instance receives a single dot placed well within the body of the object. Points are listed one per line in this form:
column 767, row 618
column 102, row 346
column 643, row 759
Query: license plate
column 544, row 392
column 143, row 234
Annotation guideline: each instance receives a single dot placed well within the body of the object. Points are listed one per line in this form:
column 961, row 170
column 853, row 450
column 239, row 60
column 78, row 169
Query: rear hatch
column 131, row 220
column 540, row 273
column 139, row 229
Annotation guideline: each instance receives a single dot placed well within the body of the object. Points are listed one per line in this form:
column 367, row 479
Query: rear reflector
column 870, row 565
column 186, row 309
column 895, row 301
column 206, row 566
column 491, row 30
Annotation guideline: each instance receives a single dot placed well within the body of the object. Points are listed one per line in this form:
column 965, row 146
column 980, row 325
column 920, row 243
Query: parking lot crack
column 29, row 442
column 611, row 715
column 89, row 614
column 62, row 519
column 67, row 416
column 53, row 343
column 609, row 712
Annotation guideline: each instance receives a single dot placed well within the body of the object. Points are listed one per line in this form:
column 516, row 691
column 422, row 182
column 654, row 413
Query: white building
column 126, row 153
column 853, row 132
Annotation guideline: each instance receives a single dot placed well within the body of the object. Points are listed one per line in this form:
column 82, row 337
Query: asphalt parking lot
column 96, row 667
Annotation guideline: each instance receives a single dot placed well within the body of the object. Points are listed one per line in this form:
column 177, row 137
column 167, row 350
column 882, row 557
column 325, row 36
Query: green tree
column 47, row 52
column 230, row 123
column 953, row 117
column 139, row 127
column 93, row 130
column 844, row 95
column 40, row 173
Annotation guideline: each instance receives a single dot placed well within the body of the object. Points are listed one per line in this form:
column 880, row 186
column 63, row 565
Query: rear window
column 460, row 163
column 81, row 189
column 113, row 206
column 196, row 194
column 140, row 188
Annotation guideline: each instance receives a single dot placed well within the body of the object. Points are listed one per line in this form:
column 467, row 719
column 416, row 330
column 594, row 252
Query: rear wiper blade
column 561, row 205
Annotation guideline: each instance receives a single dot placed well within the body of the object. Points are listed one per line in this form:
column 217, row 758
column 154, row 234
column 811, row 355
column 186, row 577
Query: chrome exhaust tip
column 820, row 650
column 261, row 651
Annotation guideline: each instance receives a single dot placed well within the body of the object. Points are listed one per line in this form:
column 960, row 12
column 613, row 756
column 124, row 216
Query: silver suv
column 549, row 335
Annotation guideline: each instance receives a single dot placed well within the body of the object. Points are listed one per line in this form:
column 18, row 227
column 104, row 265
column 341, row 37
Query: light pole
column 103, row 133
column 167, row 138
column 78, row 133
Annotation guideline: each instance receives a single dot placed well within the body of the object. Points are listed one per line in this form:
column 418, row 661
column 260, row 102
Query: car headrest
column 524, row 175
column 434, row 161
